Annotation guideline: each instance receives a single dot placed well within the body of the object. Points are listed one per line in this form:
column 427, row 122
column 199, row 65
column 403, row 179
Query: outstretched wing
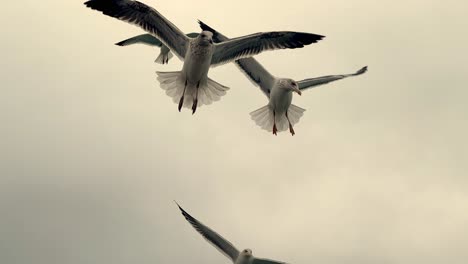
column 266, row 261
column 211, row 236
column 254, row 71
column 145, row 17
column 313, row 82
column 146, row 39
column 250, row 45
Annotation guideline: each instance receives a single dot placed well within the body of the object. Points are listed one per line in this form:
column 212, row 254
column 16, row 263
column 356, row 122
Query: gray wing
column 250, row 45
column 266, row 261
column 145, row 17
column 146, row 39
column 211, row 236
column 313, row 82
column 254, row 71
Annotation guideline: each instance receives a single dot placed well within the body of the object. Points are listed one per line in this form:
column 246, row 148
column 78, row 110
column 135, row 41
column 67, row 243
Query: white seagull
column 224, row 246
column 191, row 87
column 165, row 54
column 279, row 114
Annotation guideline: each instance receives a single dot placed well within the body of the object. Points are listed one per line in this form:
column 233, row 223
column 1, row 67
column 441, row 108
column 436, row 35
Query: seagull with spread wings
column 279, row 114
column 224, row 246
column 191, row 87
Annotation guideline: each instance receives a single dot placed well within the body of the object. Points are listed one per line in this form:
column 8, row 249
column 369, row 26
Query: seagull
column 191, row 86
column 165, row 54
column 224, row 246
column 279, row 114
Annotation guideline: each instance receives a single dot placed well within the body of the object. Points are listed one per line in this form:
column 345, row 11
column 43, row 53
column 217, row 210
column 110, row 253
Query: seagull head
column 206, row 37
column 291, row 85
column 246, row 253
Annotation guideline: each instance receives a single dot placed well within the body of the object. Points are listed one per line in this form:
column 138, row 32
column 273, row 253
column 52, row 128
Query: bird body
column 198, row 60
column 279, row 103
column 279, row 114
column 280, row 98
column 192, row 84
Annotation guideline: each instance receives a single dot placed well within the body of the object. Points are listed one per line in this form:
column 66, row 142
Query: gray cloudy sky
column 93, row 152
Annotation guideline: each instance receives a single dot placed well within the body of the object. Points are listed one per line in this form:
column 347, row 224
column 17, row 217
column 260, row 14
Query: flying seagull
column 224, row 246
column 279, row 114
column 191, row 87
column 165, row 54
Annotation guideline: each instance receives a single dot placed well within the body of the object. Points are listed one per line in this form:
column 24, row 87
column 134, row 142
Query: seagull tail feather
column 174, row 84
column 264, row 118
column 164, row 58
column 210, row 92
column 295, row 113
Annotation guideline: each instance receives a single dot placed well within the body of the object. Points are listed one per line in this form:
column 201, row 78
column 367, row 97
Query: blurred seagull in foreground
column 191, row 87
column 224, row 246
column 279, row 114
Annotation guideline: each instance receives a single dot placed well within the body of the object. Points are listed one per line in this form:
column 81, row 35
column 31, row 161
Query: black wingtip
column 362, row 70
column 205, row 27
column 121, row 43
column 184, row 213
column 180, row 208
column 314, row 38
column 110, row 8
column 201, row 23
column 89, row 3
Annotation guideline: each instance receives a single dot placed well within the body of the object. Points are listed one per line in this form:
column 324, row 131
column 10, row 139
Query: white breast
column 280, row 99
column 197, row 62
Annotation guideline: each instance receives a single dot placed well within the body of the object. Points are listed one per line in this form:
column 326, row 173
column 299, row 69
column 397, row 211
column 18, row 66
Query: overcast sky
column 93, row 152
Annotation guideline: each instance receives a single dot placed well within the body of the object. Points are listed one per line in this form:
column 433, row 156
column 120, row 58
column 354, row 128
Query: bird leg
column 195, row 100
column 274, row 124
column 181, row 101
column 291, row 129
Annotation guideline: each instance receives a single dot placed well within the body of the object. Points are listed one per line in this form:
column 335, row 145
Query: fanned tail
column 295, row 113
column 264, row 118
column 174, row 84
column 211, row 92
